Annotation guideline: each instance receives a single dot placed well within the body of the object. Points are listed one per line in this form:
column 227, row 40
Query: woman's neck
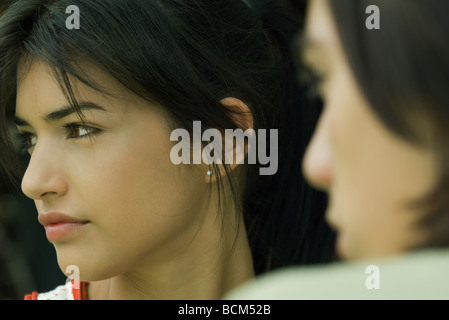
column 211, row 265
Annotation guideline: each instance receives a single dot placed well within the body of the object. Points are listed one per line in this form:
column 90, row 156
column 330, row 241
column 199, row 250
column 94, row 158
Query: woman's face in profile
column 370, row 175
column 111, row 175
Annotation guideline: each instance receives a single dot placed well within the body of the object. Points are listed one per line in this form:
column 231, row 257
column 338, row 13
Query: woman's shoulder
column 420, row 275
column 72, row 290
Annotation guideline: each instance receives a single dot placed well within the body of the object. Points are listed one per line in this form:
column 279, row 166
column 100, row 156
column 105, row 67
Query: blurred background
column 27, row 260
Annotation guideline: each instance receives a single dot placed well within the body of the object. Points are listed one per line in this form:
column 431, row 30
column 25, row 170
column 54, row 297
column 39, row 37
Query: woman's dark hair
column 4, row 4
column 187, row 55
column 403, row 71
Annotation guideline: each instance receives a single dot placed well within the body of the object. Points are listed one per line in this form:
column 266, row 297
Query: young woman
column 379, row 151
column 96, row 107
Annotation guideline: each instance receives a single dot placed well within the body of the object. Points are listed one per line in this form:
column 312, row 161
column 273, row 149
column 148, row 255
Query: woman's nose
column 43, row 176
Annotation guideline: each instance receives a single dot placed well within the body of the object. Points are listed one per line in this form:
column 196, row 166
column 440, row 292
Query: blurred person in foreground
column 379, row 151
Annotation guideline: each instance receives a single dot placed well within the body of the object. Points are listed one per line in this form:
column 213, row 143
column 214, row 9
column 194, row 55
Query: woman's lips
column 59, row 226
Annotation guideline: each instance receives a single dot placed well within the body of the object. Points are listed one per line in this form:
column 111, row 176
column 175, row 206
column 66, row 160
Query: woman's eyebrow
column 62, row 113
column 20, row 122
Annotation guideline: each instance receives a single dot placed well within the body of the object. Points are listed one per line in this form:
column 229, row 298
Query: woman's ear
column 239, row 112
column 234, row 145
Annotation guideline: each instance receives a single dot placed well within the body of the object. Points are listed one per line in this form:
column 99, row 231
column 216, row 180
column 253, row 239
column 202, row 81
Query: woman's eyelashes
column 25, row 141
column 73, row 131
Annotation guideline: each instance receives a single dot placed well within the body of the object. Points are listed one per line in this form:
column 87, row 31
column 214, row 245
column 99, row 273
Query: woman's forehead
column 94, row 82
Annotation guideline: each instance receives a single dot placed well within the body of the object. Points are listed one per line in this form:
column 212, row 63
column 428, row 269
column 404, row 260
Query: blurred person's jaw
column 370, row 175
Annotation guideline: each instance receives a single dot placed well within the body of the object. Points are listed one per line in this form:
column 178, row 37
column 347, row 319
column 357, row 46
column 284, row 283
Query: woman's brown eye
column 31, row 140
column 79, row 131
column 74, row 132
